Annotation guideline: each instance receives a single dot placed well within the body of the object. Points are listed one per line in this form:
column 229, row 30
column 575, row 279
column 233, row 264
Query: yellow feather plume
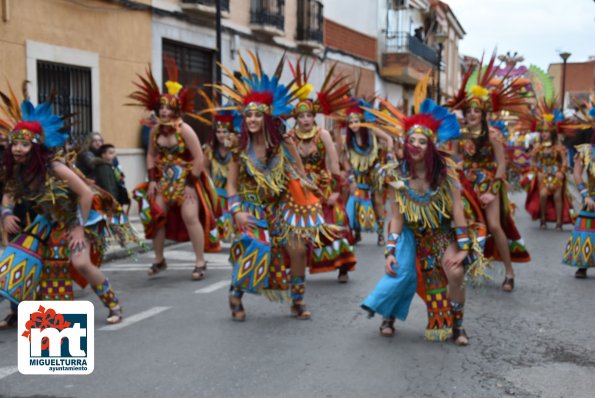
column 173, row 88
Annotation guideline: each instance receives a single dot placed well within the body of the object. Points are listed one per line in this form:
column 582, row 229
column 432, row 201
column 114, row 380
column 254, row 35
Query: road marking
column 213, row 287
column 7, row 371
column 136, row 318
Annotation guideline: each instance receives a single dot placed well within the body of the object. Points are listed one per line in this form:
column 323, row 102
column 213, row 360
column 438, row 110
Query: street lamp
column 564, row 56
column 439, row 38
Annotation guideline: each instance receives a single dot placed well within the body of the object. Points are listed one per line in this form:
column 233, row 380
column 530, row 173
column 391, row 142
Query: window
column 69, row 89
column 195, row 68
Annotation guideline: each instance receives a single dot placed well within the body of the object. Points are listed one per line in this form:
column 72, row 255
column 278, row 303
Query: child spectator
column 111, row 177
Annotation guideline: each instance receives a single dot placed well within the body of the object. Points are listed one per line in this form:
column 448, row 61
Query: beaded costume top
column 424, row 210
column 363, row 160
column 549, row 158
column 173, row 163
column 585, row 153
column 315, row 165
column 219, row 166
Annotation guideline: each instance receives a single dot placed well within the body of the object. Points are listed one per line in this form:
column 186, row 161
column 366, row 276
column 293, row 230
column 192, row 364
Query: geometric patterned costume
column 549, row 160
column 579, row 248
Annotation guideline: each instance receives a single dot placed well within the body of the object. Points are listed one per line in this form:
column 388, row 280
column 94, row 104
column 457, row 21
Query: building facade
column 579, row 84
column 86, row 53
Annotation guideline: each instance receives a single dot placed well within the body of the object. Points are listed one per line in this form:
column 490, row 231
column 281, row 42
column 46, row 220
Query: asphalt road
column 178, row 338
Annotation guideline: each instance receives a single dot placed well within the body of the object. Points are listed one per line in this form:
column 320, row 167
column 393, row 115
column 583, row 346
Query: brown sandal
column 157, row 268
column 299, row 311
column 343, row 276
column 387, row 327
column 198, row 273
column 115, row 315
column 559, row 228
column 543, row 225
column 508, row 284
column 581, row 273
column 457, row 334
column 237, row 309
column 381, row 241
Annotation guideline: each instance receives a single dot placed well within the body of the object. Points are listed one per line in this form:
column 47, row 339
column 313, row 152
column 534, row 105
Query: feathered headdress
column 257, row 90
column 483, row 88
column 432, row 120
column 333, row 95
column 177, row 97
column 221, row 115
column 37, row 124
column 546, row 116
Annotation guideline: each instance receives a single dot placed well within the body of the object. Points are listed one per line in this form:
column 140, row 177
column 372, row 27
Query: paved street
column 178, row 338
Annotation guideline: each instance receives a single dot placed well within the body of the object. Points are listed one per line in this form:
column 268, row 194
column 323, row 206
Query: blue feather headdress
column 50, row 133
column 255, row 90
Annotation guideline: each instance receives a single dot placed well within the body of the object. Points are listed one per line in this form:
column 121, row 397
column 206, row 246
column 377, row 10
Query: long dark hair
column 35, row 166
column 271, row 129
column 351, row 134
column 485, row 129
column 434, row 161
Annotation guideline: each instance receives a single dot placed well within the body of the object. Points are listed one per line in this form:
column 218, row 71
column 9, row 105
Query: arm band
column 463, row 241
column 6, row 211
column 582, row 188
column 391, row 245
column 234, row 204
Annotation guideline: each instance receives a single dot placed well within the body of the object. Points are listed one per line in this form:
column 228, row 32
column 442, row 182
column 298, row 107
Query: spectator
column 86, row 160
column 111, row 177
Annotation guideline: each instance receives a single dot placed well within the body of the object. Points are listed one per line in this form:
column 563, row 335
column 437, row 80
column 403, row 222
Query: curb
column 118, row 253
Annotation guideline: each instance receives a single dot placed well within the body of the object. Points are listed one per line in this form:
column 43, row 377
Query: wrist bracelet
column 192, row 179
column 153, row 174
column 463, row 241
column 391, row 244
column 6, row 211
column 234, row 204
column 496, row 186
column 582, row 188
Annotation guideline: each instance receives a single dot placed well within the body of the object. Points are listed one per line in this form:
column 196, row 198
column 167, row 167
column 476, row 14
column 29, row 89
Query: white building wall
column 359, row 15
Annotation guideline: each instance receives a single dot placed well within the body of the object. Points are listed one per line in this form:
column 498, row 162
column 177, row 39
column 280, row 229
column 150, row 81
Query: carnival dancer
column 548, row 198
column 277, row 220
column 484, row 163
column 427, row 227
column 67, row 239
column 321, row 163
column 579, row 249
column 365, row 207
column 179, row 202
column 217, row 153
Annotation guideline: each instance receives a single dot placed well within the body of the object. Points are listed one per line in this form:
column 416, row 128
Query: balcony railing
column 267, row 15
column 207, row 6
column 403, row 42
column 310, row 19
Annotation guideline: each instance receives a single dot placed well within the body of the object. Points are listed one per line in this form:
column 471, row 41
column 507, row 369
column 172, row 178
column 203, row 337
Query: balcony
column 406, row 58
column 205, row 8
column 309, row 21
column 267, row 17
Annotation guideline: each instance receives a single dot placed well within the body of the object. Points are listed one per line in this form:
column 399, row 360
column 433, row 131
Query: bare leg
column 159, row 239
column 495, row 228
column 558, row 204
column 190, row 214
column 542, row 207
column 81, row 261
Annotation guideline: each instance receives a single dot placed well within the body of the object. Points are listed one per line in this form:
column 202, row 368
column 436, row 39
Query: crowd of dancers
column 291, row 196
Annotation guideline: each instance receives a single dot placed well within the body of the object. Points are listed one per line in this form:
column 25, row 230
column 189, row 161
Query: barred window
column 69, row 89
column 196, row 68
